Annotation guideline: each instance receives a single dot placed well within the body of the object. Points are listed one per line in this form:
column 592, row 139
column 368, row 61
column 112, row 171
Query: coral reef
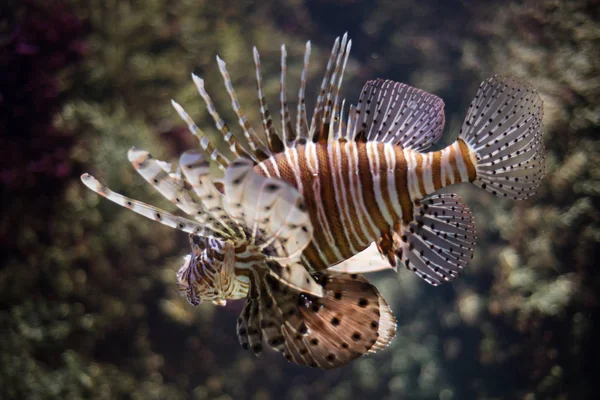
column 88, row 304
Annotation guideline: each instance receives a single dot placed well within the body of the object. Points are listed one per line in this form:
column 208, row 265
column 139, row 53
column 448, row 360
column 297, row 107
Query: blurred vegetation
column 88, row 304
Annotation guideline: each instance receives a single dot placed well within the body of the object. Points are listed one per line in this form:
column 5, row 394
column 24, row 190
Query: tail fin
column 503, row 128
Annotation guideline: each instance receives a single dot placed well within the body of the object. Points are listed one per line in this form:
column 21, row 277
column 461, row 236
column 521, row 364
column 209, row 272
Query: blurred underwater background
column 89, row 308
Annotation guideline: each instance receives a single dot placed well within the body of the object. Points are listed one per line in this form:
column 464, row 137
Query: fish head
column 209, row 272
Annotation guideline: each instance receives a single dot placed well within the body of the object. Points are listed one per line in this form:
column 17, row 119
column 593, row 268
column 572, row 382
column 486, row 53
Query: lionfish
column 300, row 214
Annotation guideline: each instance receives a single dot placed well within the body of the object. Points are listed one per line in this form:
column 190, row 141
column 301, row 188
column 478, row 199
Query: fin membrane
column 350, row 320
column 196, row 169
column 272, row 210
column 439, row 242
column 393, row 112
column 503, row 127
column 150, row 212
column 296, row 276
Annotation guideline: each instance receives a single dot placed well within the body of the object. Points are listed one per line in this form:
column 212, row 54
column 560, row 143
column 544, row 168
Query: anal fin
column 370, row 259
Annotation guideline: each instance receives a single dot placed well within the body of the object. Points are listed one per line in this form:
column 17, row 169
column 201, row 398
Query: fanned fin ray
column 220, row 124
column 503, row 127
column 321, row 126
column 260, row 151
column 301, row 118
column 272, row 210
column 205, row 144
column 275, row 218
column 289, row 136
column 273, row 139
column 154, row 172
column 439, row 242
column 197, row 172
column 150, row 212
column 392, row 112
column 352, row 319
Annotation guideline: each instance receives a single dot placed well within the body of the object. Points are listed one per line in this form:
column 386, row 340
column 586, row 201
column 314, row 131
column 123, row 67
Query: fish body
column 303, row 212
column 358, row 192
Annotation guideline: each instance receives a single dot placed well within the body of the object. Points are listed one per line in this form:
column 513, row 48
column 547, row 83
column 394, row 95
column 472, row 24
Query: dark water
column 88, row 303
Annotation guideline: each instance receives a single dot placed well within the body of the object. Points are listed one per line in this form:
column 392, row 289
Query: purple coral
column 41, row 40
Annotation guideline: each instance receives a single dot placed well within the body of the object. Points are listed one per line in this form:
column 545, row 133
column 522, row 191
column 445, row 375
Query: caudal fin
column 503, row 128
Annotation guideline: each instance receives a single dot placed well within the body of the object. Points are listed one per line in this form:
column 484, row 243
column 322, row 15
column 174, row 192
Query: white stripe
column 390, row 157
column 321, row 212
column 445, row 165
column 334, row 150
column 358, row 195
column 289, row 155
column 264, row 168
column 352, row 189
column 413, row 186
column 373, row 156
column 460, row 163
column 428, row 173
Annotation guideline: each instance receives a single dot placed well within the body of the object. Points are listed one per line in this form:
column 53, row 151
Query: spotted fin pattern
column 352, row 319
column 439, row 242
column 503, row 127
column 196, row 169
column 274, row 216
column 393, row 112
column 271, row 209
column 148, row 211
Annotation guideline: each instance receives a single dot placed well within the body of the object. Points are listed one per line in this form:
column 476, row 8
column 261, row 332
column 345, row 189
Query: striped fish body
column 357, row 192
column 302, row 213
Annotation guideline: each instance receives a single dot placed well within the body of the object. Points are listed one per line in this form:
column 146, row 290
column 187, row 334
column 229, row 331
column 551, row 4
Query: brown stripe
column 419, row 172
column 286, row 172
column 319, row 237
column 368, row 192
column 384, row 172
column 330, row 204
column 401, row 175
column 353, row 212
column 270, row 165
column 454, row 165
column 341, row 169
column 436, row 170
column 240, row 248
column 352, row 169
column 464, row 150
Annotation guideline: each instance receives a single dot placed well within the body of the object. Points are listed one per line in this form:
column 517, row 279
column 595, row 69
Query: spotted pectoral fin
column 350, row 320
column 368, row 260
column 196, row 169
column 148, row 211
column 270, row 209
column 156, row 174
column 393, row 112
column 439, row 242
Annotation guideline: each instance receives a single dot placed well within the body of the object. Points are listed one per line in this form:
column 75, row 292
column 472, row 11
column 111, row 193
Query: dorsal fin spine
column 273, row 139
column 289, row 136
column 301, row 119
